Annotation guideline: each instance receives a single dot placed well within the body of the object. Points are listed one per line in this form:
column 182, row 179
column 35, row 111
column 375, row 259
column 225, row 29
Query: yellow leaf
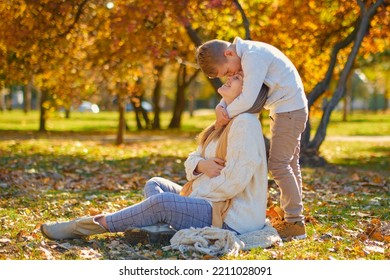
column 93, row 211
column 275, row 212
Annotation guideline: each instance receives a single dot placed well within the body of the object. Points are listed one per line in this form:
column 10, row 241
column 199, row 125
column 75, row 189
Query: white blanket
column 215, row 241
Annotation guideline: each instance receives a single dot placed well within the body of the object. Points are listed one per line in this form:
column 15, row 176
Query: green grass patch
column 363, row 154
column 358, row 124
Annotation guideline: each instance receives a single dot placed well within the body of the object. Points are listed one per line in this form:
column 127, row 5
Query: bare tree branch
column 245, row 20
column 76, row 19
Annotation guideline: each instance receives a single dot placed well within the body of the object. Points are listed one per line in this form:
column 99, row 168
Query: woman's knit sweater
column 244, row 177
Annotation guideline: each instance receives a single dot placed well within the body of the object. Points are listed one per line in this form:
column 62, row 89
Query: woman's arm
column 244, row 155
column 196, row 165
column 192, row 162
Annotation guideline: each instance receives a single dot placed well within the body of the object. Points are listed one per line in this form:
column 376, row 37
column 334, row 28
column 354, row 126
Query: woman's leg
column 178, row 211
column 158, row 185
column 153, row 186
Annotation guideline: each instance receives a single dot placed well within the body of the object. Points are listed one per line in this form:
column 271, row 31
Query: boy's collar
column 236, row 39
column 237, row 42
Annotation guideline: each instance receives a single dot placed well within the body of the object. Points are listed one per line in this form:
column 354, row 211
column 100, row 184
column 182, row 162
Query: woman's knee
column 162, row 202
column 151, row 185
column 154, row 180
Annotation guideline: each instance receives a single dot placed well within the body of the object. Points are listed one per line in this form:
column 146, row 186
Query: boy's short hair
column 210, row 55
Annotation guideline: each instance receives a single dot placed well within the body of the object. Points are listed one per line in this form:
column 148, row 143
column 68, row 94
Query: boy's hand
column 211, row 167
column 222, row 116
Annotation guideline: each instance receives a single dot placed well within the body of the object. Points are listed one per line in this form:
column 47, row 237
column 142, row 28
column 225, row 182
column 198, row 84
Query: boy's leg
column 296, row 167
column 286, row 129
column 178, row 211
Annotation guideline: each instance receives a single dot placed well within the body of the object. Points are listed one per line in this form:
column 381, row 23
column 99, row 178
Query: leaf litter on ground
column 343, row 208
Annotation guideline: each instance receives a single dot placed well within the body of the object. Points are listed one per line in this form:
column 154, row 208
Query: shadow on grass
column 372, row 163
column 104, row 137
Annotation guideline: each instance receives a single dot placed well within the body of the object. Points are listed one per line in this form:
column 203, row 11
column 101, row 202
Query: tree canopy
column 74, row 48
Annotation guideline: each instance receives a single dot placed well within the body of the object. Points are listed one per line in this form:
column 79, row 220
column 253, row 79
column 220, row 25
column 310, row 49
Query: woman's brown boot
column 73, row 229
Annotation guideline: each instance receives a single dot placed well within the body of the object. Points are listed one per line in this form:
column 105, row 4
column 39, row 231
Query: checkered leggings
column 163, row 204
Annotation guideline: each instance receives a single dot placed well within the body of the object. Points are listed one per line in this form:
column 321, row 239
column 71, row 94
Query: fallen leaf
column 362, row 236
column 377, row 236
column 375, row 249
column 47, row 253
column 94, row 211
column 90, row 254
column 159, row 253
column 362, row 215
column 207, row 257
column 376, row 222
column 275, row 212
column 5, row 240
column 355, row 177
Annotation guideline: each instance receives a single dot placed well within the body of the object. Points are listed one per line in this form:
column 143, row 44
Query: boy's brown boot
column 290, row 230
column 73, row 229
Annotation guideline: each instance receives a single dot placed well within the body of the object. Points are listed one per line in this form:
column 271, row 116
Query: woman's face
column 232, row 88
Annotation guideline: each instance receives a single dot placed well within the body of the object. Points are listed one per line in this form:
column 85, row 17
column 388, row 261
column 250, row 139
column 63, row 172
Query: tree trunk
column 387, row 102
column 179, row 106
column 191, row 105
column 121, row 110
column 144, row 113
column 137, row 113
column 27, row 95
column 182, row 83
column 366, row 16
column 3, row 107
column 156, row 98
column 43, row 112
column 67, row 113
column 347, row 98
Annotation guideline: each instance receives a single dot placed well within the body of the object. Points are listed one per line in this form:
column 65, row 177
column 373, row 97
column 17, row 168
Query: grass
column 50, row 178
column 358, row 124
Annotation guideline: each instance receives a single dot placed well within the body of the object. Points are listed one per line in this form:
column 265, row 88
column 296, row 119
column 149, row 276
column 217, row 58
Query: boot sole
column 135, row 236
column 298, row 237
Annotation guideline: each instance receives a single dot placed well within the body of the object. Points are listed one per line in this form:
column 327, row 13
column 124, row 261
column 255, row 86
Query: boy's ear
column 228, row 52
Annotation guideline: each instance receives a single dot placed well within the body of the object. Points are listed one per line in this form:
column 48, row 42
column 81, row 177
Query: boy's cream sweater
column 244, row 177
column 263, row 63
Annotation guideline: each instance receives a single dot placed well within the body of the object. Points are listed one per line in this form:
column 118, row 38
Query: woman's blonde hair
column 211, row 133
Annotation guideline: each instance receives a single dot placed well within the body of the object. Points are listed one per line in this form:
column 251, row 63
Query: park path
column 373, row 138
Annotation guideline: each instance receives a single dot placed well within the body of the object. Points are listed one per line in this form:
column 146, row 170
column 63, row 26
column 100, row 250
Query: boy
column 286, row 100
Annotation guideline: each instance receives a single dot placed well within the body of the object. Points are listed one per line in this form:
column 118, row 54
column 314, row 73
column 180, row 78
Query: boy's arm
column 255, row 68
column 221, row 115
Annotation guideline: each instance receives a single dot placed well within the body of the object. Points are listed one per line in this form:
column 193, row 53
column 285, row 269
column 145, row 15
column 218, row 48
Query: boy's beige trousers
column 283, row 163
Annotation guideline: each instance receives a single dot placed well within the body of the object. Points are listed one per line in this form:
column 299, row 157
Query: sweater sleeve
column 241, row 160
column 255, row 67
column 192, row 162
